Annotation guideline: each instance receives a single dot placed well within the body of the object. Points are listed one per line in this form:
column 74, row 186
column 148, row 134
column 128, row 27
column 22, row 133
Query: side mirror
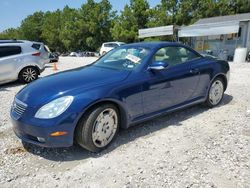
column 158, row 65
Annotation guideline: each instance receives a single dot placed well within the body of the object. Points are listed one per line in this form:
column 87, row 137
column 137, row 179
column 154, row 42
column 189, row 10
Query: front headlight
column 54, row 108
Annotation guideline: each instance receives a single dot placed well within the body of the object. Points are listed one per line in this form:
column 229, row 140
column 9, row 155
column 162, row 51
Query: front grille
column 19, row 107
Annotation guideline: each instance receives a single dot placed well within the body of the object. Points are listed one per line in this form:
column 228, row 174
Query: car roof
column 18, row 41
column 155, row 44
column 115, row 42
column 13, row 44
column 10, row 41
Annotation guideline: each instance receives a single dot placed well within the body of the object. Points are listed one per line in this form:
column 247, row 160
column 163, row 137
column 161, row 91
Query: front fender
column 84, row 103
column 224, row 76
column 22, row 66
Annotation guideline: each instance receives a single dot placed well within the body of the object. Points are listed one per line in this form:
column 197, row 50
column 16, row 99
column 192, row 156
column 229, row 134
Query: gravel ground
column 195, row 147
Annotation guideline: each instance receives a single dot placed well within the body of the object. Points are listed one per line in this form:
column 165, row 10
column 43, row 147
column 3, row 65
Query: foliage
column 134, row 16
column 51, row 30
column 31, row 27
column 10, row 33
column 95, row 22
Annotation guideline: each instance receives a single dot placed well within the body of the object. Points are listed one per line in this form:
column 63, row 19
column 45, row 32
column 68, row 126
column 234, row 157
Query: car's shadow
column 75, row 153
column 8, row 86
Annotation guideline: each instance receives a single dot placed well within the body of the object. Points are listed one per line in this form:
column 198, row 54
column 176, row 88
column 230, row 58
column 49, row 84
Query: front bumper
column 31, row 133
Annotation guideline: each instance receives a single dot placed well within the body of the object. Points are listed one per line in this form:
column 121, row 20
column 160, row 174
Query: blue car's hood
column 68, row 82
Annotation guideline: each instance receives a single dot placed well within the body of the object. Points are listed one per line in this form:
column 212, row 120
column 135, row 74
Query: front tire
column 98, row 128
column 28, row 74
column 216, row 93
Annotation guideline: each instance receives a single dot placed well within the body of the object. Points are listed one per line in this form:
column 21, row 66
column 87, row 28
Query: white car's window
column 9, row 50
column 36, row 46
column 111, row 45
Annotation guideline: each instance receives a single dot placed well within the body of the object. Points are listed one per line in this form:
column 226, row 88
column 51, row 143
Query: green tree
column 234, row 6
column 134, row 16
column 69, row 30
column 157, row 16
column 31, row 27
column 94, row 24
column 124, row 28
column 140, row 12
column 51, row 30
column 10, row 33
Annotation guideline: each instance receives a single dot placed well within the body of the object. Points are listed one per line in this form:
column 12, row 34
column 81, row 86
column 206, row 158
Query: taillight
column 37, row 54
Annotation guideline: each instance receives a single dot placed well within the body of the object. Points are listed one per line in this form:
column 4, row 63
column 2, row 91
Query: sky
column 12, row 12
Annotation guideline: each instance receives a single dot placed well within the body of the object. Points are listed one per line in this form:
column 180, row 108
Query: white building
column 218, row 35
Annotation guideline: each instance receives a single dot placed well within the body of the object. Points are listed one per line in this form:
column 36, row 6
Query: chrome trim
column 20, row 102
column 19, row 107
column 156, row 68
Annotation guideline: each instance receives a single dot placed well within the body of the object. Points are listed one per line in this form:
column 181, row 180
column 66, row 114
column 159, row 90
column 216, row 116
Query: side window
column 174, row 55
column 36, row 46
column 108, row 45
column 115, row 45
column 186, row 54
column 111, row 45
column 9, row 50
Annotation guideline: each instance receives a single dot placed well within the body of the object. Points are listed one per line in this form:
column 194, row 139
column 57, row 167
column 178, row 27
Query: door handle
column 194, row 71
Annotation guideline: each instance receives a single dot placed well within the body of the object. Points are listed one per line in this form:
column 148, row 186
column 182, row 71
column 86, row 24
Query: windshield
column 124, row 58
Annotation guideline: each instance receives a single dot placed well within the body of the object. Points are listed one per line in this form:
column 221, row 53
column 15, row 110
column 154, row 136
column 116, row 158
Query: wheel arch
column 24, row 67
column 122, row 111
column 224, row 79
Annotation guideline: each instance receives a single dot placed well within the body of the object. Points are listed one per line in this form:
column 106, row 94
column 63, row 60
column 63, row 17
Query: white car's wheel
column 28, row 74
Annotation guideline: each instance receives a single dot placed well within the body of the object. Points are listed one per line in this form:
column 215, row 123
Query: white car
column 108, row 46
column 22, row 60
column 74, row 54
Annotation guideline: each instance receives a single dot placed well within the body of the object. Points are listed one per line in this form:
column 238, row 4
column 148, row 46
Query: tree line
column 93, row 23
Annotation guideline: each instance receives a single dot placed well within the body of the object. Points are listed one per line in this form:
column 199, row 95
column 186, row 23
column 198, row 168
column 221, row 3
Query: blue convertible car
column 130, row 84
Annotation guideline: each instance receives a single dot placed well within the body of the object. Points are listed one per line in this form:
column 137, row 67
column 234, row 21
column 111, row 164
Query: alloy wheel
column 29, row 74
column 216, row 92
column 105, row 127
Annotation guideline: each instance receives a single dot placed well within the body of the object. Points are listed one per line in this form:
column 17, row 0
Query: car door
column 174, row 85
column 8, row 60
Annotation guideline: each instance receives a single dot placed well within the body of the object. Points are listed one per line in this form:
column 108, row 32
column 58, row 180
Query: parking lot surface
column 195, row 147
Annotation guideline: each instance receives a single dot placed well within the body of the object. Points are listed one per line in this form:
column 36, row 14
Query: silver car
column 21, row 60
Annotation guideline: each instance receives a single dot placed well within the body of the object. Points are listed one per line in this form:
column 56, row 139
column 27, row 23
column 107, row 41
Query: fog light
column 58, row 133
column 40, row 139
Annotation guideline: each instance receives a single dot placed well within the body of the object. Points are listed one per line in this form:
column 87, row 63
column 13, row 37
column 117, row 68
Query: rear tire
column 215, row 93
column 98, row 128
column 28, row 74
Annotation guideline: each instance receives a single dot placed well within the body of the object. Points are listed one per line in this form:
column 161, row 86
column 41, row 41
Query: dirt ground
column 195, row 147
